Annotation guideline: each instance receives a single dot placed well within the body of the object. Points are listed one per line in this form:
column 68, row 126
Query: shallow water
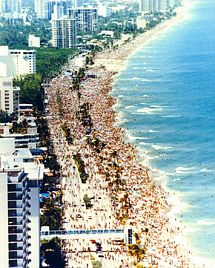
column 166, row 100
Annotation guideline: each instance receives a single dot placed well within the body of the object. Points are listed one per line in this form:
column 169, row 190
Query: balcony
column 15, row 238
column 14, row 204
column 14, row 213
column 14, row 196
column 14, row 188
column 15, row 255
column 15, row 246
column 15, row 230
column 14, row 221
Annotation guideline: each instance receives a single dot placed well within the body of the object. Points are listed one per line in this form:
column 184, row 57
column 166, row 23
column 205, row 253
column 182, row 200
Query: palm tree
column 137, row 251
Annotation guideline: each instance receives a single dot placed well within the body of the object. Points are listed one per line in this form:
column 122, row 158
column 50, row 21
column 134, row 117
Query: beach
column 102, row 165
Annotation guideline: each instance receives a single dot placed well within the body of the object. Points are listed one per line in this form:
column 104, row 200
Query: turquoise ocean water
column 166, row 102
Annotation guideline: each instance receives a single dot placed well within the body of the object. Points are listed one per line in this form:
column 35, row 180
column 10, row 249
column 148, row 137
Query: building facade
column 20, row 177
column 63, row 33
column 86, row 19
column 153, row 6
column 16, row 62
column 13, row 7
column 33, row 41
column 9, row 96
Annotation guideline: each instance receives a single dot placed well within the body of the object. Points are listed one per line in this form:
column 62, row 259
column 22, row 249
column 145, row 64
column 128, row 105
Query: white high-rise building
column 146, row 6
column 153, row 6
column 77, row 3
column 16, row 62
column 86, row 19
column 9, row 95
column 40, row 8
column 20, row 177
column 63, row 33
column 163, row 6
column 11, row 6
column 33, row 41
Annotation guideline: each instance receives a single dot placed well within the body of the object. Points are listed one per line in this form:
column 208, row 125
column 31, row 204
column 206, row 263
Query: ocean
column 166, row 104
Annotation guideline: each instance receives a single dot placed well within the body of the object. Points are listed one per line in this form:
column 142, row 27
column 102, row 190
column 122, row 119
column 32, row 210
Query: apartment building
column 63, row 32
column 20, row 177
column 12, row 7
column 86, row 19
column 33, row 41
column 9, row 95
column 154, row 6
column 16, row 62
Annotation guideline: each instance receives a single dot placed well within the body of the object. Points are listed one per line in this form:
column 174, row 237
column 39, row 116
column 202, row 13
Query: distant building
column 12, row 7
column 25, row 109
column 16, row 62
column 77, row 3
column 33, row 41
column 39, row 8
column 58, row 6
column 63, row 33
column 153, row 6
column 86, row 19
column 29, row 140
column 104, row 10
column 9, row 95
column 20, row 178
column 141, row 22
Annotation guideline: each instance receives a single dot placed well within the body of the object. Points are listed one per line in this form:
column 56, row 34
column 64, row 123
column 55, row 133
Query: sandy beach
column 102, row 165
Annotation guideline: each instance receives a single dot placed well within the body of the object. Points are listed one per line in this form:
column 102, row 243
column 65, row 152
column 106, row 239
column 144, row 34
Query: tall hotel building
column 17, row 62
column 153, row 6
column 63, row 32
column 9, row 95
column 20, row 177
column 12, row 63
column 86, row 19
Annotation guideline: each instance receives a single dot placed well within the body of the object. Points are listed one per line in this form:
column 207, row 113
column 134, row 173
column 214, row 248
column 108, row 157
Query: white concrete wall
column 35, row 228
column 4, row 249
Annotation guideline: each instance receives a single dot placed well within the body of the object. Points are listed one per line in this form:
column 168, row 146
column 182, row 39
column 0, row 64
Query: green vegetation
column 51, row 251
column 14, row 32
column 137, row 251
column 67, row 133
column 52, row 215
column 31, row 90
column 81, row 167
column 87, row 201
column 50, row 60
column 97, row 264
column 5, row 117
column 49, row 63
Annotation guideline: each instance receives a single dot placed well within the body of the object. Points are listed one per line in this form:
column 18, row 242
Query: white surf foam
column 184, row 170
column 206, row 222
column 161, row 147
column 149, row 110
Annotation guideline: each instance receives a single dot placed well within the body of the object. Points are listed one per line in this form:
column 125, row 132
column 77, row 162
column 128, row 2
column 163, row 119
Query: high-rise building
column 63, row 32
column 9, row 95
column 16, row 62
column 163, row 6
column 20, row 178
column 11, row 6
column 60, row 5
column 146, row 6
column 77, row 3
column 86, row 19
column 33, row 41
column 39, row 8
column 153, row 6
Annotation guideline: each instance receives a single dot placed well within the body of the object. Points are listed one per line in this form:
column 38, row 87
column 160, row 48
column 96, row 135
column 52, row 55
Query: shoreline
column 138, row 201
column 115, row 62
column 110, row 62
